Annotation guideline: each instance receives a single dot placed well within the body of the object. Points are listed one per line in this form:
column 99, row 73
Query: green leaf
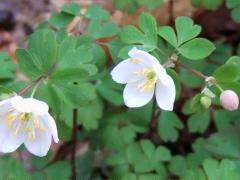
column 60, row 20
column 11, row 168
column 226, row 169
column 176, row 80
column 43, row 48
column 167, row 33
column 8, row 69
column 5, row 93
column 27, row 64
column 233, row 3
column 199, row 121
column 196, row 49
column 74, row 74
column 77, row 95
column 90, row 114
column 225, row 144
column 50, row 94
column 110, row 91
column 150, row 4
column 59, row 170
column 148, row 25
column 96, row 12
column 148, row 148
column 130, row 5
column 162, row 154
column 223, row 119
column 235, row 14
column 178, row 166
column 72, row 9
column 98, row 29
column 186, row 30
column 66, row 45
column 131, row 35
column 229, row 71
column 168, row 125
column 148, row 36
column 208, row 4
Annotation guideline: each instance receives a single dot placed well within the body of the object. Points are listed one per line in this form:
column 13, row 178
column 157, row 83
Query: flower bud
column 229, row 100
column 206, row 101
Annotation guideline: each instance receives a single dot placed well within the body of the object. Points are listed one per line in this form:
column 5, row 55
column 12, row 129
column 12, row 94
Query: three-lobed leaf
column 198, row 48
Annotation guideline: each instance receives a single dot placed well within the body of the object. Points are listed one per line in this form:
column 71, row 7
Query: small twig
column 199, row 74
column 171, row 10
column 33, row 83
column 74, row 144
column 73, row 24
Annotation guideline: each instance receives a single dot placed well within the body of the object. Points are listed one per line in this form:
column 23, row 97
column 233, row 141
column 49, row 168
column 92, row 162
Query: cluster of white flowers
column 143, row 75
column 26, row 120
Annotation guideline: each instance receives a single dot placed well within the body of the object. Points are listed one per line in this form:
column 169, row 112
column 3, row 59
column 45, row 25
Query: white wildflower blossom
column 143, row 75
column 26, row 120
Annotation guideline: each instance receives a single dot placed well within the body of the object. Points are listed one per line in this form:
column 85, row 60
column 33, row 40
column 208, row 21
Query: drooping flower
column 143, row 75
column 229, row 100
column 26, row 120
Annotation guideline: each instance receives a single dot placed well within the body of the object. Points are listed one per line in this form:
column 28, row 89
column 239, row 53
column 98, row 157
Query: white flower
column 26, row 120
column 143, row 75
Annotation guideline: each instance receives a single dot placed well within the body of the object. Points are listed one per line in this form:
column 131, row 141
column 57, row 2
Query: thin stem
column 219, row 87
column 73, row 24
column 34, row 90
column 33, row 83
column 199, row 74
column 171, row 9
column 74, row 144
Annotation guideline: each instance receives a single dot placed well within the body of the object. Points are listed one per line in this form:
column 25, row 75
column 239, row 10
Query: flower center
column 25, row 117
column 24, row 122
column 150, row 74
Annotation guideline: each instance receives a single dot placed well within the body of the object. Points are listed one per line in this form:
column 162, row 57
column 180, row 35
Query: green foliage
column 199, row 121
column 133, row 5
column 208, row 4
column 145, row 39
column 113, row 141
column 234, row 5
column 8, row 68
column 185, row 41
column 168, row 125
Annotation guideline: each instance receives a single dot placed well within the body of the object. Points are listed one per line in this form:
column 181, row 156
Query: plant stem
column 171, row 16
column 199, row 74
column 73, row 24
column 74, row 144
column 33, row 83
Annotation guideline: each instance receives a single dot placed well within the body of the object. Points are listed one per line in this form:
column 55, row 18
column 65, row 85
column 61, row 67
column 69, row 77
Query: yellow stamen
column 35, row 122
column 31, row 136
column 25, row 117
column 150, row 74
column 10, row 119
column 17, row 129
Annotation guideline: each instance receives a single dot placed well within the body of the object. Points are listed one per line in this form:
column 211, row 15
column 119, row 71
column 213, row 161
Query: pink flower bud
column 229, row 100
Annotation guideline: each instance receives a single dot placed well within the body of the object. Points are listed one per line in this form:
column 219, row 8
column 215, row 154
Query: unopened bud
column 206, row 101
column 229, row 100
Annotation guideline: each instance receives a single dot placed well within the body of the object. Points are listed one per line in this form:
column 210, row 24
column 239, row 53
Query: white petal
column 147, row 59
column 126, row 72
column 5, row 106
column 165, row 94
column 41, row 144
column 29, row 105
column 134, row 97
column 8, row 141
column 49, row 121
